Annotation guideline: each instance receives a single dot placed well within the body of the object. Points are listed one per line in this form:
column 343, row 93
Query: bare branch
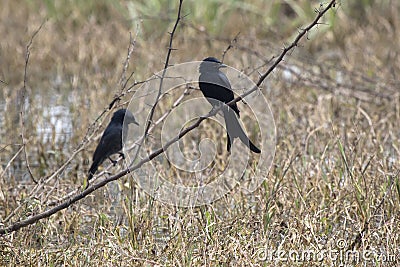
column 10, row 161
column 23, row 92
column 132, row 43
column 230, row 46
column 166, row 65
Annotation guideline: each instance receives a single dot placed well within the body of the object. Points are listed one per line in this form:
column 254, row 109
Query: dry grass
column 336, row 167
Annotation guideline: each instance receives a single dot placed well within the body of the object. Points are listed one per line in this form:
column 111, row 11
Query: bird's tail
column 93, row 169
column 234, row 130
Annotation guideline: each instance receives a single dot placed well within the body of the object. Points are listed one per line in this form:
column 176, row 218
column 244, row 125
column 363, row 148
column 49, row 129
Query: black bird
column 216, row 88
column 112, row 140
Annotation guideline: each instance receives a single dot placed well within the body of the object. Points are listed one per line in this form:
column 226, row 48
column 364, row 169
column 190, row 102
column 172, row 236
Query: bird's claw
column 114, row 162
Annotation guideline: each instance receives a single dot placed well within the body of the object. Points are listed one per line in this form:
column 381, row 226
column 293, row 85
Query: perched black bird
column 216, row 88
column 112, row 140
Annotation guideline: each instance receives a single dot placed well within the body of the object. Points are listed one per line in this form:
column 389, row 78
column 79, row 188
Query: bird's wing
column 223, row 80
column 216, row 78
column 229, row 93
column 215, row 85
column 110, row 143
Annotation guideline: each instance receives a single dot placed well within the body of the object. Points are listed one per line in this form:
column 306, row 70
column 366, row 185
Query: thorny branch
column 93, row 187
column 166, row 65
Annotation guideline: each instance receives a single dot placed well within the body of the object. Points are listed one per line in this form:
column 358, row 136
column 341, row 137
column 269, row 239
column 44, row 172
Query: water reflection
column 56, row 124
column 48, row 129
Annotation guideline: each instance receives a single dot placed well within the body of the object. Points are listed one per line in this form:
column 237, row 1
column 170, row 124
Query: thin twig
column 231, row 45
column 23, row 92
column 176, row 103
column 132, row 43
column 123, row 80
column 10, row 161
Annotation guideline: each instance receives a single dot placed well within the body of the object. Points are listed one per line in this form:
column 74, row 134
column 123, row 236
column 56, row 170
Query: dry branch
column 22, row 111
column 166, row 65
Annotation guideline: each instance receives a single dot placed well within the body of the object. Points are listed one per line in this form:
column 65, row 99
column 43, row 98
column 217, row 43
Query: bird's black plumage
column 216, row 87
column 113, row 139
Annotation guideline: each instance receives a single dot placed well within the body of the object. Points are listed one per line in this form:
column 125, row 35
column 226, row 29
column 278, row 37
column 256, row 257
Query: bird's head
column 211, row 64
column 124, row 115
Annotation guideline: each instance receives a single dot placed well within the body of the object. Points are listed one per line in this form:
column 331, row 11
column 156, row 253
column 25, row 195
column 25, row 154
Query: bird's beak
column 133, row 120
column 222, row 65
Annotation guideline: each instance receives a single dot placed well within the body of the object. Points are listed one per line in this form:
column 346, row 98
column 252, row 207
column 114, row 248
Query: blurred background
column 335, row 98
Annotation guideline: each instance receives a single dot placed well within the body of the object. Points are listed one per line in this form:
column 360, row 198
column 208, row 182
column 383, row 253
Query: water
column 48, row 127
